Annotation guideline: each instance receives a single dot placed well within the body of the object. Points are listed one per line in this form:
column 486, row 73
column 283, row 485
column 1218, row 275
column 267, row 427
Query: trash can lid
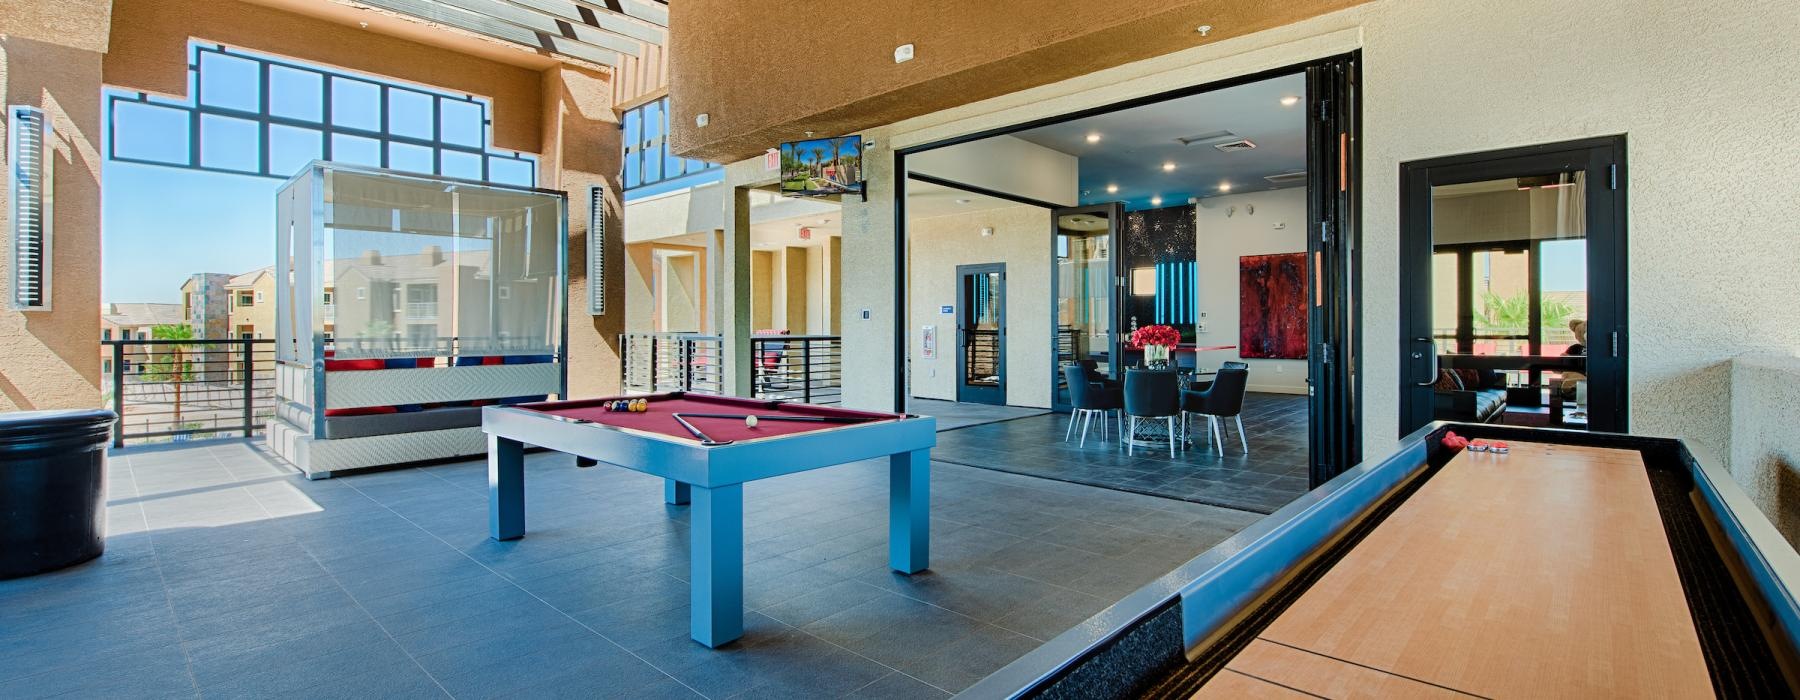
column 19, row 428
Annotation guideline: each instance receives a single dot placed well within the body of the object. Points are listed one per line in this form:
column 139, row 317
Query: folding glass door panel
column 1083, row 281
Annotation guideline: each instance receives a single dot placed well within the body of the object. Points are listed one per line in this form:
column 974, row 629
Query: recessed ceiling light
column 1093, row 137
column 1112, row 189
column 964, row 201
column 1224, row 187
column 1156, row 201
column 1169, row 167
column 1290, row 101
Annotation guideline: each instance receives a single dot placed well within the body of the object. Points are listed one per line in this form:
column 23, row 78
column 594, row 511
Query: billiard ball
column 750, row 421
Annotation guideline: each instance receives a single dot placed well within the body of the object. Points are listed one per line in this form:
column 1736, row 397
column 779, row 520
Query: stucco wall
column 47, row 357
column 1702, row 102
column 1021, row 241
column 1765, row 445
column 1227, row 230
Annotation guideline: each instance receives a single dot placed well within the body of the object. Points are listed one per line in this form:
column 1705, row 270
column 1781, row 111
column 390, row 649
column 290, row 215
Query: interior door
column 981, row 333
column 1084, row 284
column 1513, row 294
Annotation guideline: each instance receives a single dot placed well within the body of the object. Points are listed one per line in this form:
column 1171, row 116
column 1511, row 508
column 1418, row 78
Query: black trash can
column 52, row 489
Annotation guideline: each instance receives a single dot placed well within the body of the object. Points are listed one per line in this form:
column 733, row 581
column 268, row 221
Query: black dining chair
column 1091, row 368
column 1089, row 399
column 1202, row 384
column 1223, row 399
column 1151, row 394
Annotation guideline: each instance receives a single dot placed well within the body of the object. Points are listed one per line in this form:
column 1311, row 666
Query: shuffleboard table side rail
column 1208, row 593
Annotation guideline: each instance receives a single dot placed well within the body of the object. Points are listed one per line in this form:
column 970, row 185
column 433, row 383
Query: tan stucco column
column 793, row 276
column 734, row 309
column 834, row 288
column 48, row 359
column 581, row 149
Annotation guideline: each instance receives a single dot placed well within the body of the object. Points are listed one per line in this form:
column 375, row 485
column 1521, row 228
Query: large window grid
column 255, row 115
column 647, row 160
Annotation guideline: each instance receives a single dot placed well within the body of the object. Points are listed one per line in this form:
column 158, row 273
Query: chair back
column 1234, row 364
column 1090, row 367
column 1081, row 393
column 1226, row 397
column 1152, row 392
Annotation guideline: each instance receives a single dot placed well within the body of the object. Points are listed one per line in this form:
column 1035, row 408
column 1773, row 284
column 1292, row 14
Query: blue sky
column 161, row 224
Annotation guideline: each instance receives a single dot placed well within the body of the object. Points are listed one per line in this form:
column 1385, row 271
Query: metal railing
column 655, row 362
column 173, row 390
column 804, row 368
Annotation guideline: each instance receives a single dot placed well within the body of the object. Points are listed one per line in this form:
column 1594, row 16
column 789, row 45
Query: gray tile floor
column 227, row 575
column 1273, row 473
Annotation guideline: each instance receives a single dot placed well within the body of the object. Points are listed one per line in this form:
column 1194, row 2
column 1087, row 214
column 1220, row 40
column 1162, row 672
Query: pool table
column 1576, row 564
column 709, row 474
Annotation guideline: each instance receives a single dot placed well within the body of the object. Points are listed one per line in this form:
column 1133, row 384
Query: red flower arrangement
column 1155, row 335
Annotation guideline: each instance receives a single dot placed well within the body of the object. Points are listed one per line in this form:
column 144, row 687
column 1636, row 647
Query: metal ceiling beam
column 653, row 11
column 549, row 39
column 536, row 21
column 583, row 14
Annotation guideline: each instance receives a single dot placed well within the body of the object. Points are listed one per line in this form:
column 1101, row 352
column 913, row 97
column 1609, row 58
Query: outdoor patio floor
column 228, row 575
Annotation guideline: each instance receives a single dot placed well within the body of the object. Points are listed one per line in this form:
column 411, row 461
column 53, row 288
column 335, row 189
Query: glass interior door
column 1509, row 300
column 1083, row 282
column 981, row 334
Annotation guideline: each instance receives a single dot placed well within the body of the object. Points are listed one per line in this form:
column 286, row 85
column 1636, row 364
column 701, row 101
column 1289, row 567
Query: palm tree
column 175, row 369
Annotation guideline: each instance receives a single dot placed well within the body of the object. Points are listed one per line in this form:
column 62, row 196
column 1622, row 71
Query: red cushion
column 427, row 362
column 365, row 411
column 353, row 365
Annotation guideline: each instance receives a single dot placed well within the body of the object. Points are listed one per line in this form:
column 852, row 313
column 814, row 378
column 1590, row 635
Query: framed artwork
column 1272, row 312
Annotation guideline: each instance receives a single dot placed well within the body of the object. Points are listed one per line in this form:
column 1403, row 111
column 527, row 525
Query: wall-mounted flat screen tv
column 822, row 167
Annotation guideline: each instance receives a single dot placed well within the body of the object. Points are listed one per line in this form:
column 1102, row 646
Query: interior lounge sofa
column 1469, row 395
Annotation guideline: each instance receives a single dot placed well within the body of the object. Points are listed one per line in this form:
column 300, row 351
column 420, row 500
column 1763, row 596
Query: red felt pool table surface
column 663, row 407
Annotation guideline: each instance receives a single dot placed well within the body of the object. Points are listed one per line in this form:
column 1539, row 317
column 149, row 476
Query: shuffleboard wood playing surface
column 1545, row 572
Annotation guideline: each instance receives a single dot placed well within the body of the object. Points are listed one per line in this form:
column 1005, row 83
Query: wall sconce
column 29, row 194
column 1143, row 281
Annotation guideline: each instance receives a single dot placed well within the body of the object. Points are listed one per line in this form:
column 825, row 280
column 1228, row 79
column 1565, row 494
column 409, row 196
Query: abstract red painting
column 1272, row 306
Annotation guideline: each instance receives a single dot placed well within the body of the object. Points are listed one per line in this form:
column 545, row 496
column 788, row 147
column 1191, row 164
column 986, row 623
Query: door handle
column 1434, row 360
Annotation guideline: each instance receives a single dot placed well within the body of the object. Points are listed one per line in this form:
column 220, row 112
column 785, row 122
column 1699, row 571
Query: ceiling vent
column 1238, row 145
column 1293, row 177
column 1209, row 137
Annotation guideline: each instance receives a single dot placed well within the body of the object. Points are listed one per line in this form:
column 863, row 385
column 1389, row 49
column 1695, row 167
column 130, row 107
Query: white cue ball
column 750, row 421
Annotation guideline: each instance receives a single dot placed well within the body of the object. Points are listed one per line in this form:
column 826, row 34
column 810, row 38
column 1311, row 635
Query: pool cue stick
column 791, row 419
column 704, row 440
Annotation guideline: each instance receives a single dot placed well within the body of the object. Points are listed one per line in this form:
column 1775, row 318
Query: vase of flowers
column 1156, row 341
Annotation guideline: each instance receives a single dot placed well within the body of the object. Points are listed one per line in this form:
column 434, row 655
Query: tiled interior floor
column 227, row 575
column 1273, row 473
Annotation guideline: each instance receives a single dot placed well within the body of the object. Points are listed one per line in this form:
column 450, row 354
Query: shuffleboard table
column 1576, row 564
column 706, row 451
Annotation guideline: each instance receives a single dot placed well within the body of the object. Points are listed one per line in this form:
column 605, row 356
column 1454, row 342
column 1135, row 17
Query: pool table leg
column 675, row 493
column 909, row 511
column 506, row 488
column 716, row 571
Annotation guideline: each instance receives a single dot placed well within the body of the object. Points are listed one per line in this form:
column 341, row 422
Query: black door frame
column 964, row 393
column 1334, row 87
column 1603, row 161
column 1115, row 214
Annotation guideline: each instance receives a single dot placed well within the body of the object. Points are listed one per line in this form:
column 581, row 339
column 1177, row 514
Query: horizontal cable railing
column 804, row 368
column 657, row 362
column 173, row 390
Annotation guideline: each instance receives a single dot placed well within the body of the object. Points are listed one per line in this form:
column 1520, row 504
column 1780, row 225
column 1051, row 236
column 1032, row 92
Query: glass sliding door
column 1083, row 282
